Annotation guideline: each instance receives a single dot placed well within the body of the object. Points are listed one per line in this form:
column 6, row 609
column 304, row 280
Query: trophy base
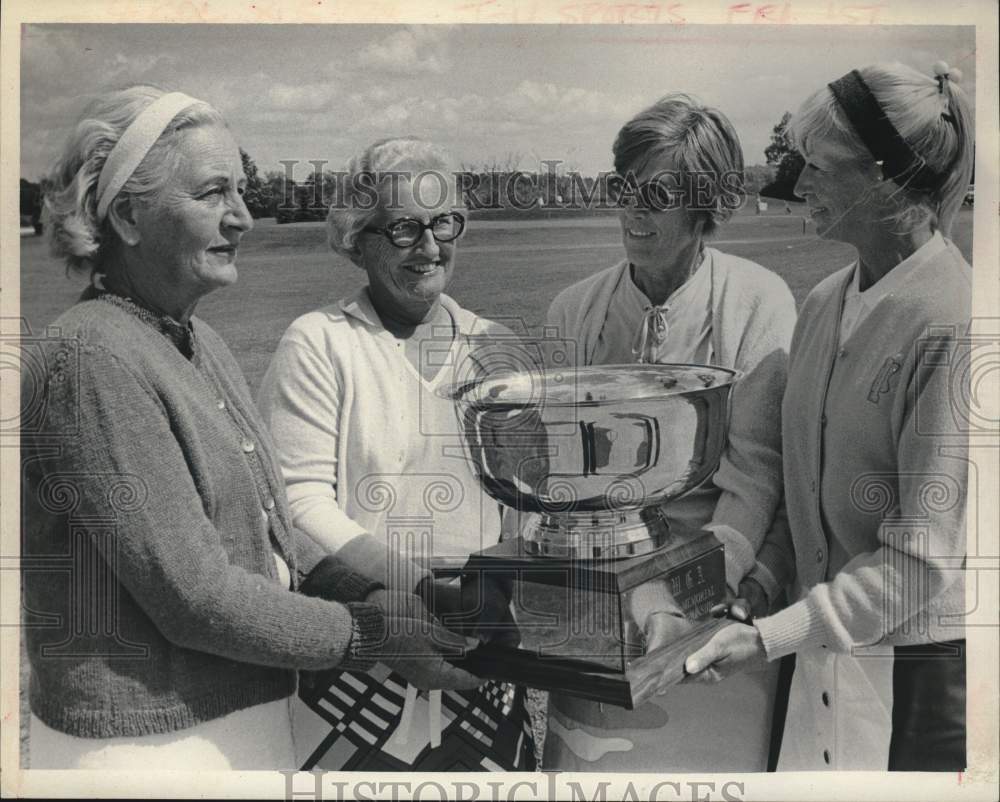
column 643, row 677
column 596, row 535
column 582, row 623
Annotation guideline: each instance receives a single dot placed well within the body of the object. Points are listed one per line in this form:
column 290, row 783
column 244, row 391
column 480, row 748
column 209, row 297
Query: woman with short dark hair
column 674, row 298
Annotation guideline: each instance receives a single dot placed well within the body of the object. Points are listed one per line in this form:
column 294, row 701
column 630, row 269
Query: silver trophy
column 588, row 460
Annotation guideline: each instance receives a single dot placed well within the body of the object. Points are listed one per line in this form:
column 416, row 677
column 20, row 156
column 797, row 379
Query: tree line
column 498, row 184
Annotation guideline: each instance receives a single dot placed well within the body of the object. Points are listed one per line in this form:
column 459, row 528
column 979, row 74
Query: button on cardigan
column 153, row 599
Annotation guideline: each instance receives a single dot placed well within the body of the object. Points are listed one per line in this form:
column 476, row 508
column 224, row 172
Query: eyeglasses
column 406, row 232
column 653, row 195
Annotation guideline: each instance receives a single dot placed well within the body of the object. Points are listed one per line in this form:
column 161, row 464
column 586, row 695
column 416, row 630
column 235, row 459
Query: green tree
column 281, row 191
column 789, row 169
column 31, row 205
column 756, row 176
column 258, row 194
column 781, row 143
column 789, row 161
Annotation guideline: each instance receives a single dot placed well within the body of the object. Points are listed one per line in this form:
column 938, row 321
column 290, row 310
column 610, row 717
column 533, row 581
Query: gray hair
column 914, row 104
column 699, row 139
column 365, row 173
column 76, row 235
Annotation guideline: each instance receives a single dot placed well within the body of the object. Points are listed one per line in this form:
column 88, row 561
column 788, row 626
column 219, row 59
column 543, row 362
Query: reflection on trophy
column 607, row 597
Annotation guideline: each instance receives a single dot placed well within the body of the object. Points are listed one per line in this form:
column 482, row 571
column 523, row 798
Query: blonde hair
column 934, row 118
column 353, row 208
column 76, row 235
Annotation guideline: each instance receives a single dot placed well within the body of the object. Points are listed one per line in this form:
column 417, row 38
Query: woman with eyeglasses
column 672, row 298
column 372, row 460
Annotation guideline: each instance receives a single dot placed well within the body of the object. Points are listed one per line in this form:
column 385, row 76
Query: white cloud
column 53, row 59
column 548, row 104
column 328, row 91
column 376, row 94
column 412, row 51
column 389, row 117
column 298, row 97
column 59, row 76
column 531, row 116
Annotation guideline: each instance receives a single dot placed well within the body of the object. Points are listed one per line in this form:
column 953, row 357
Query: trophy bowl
column 595, row 451
column 586, row 459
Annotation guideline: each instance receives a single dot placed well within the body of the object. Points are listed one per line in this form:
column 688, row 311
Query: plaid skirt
column 346, row 721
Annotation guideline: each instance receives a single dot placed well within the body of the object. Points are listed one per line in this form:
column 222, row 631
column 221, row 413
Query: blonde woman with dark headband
column 188, row 600
column 875, row 456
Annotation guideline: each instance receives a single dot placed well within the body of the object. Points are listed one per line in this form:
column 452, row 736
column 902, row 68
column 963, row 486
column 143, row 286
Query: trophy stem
column 599, row 535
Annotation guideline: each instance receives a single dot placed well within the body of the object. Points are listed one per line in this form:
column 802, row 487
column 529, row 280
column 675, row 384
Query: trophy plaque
column 608, row 598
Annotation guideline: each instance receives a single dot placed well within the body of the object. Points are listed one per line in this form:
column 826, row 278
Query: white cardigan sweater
column 877, row 463
column 339, row 399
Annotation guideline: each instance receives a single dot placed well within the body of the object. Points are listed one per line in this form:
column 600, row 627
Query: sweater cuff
column 332, row 580
column 368, row 633
column 796, row 628
column 739, row 554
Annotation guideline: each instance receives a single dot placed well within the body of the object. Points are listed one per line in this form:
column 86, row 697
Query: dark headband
column 899, row 161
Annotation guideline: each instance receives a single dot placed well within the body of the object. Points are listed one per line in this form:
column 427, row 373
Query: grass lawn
column 505, row 269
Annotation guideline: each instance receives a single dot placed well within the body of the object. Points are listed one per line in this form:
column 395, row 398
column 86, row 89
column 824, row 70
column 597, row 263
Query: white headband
column 134, row 144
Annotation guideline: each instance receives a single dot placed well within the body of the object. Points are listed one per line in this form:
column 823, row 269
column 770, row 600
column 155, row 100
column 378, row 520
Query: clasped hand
column 735, row 648
column 730, row 650
column 478, row 607
column 418, row 646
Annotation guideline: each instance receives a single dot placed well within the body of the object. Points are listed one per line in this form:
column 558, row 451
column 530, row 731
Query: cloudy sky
column 490, row 93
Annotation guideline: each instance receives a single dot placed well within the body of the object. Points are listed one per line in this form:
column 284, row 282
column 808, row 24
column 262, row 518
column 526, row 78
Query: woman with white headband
column 176, row 629
column 874, row 447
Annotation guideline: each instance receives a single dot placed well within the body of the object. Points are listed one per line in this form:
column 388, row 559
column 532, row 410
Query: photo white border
column 980, row 782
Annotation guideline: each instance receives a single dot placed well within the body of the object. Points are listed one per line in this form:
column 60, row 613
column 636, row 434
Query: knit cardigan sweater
column 333, row 403
column 152, row 509
column 876, row 465
column 753, row 315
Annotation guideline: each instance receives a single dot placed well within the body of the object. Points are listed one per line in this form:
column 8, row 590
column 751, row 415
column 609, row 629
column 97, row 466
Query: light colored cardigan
column 332, row 400
column 876, row 465
column 753, row 315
